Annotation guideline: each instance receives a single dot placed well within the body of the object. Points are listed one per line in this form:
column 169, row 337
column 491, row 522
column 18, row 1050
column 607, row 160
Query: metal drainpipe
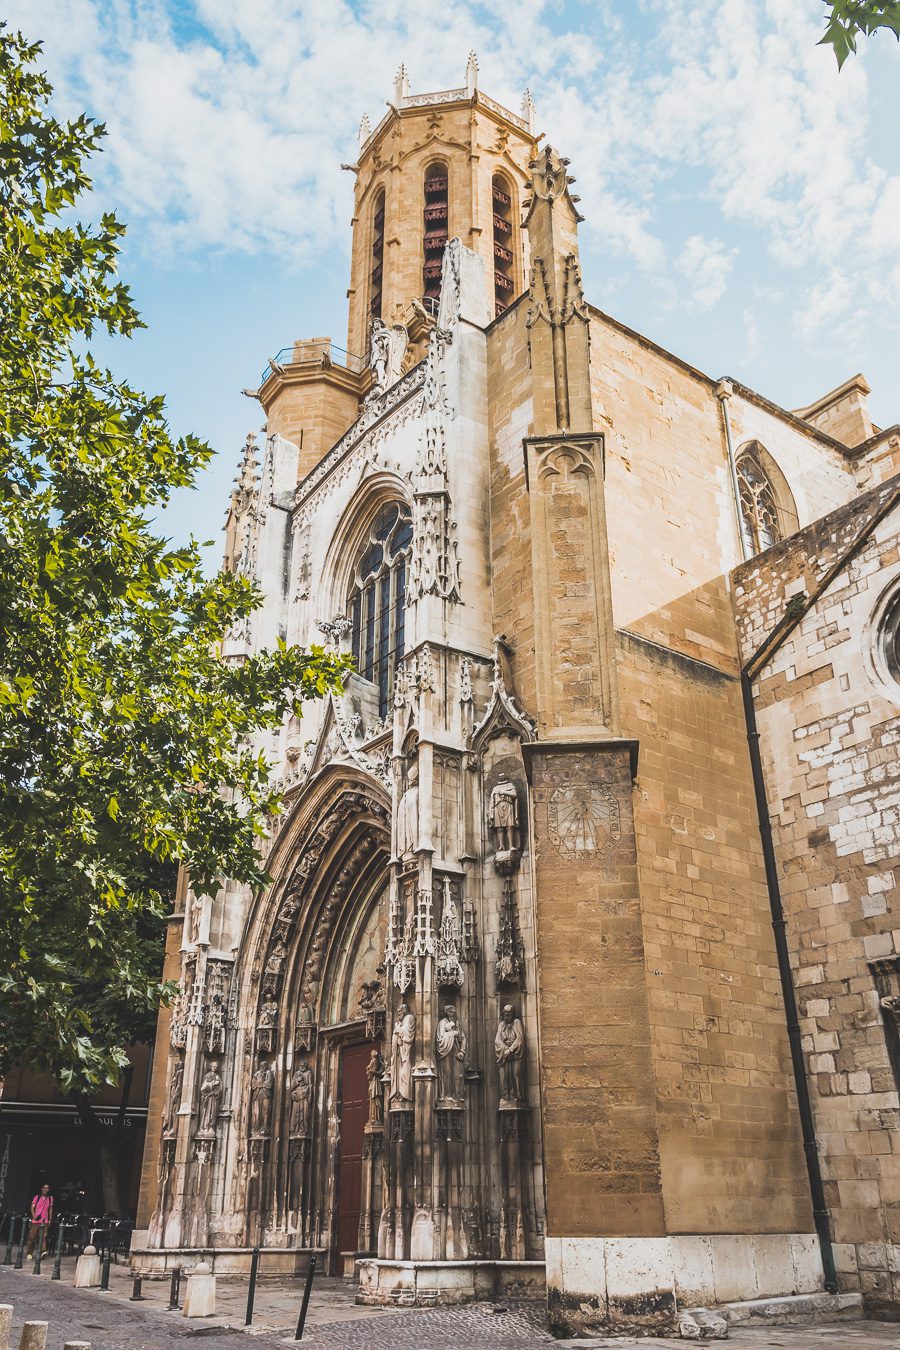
column 788, row 993
column 724, row 391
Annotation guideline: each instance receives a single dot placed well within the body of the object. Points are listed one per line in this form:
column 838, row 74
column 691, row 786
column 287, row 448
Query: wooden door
column 354, row 1113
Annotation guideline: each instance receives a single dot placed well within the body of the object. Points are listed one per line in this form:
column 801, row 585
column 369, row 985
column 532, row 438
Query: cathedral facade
column 513, row 1010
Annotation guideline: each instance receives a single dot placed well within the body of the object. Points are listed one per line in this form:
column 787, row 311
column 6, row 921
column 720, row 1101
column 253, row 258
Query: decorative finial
column 528, row 109
column 365, row 129
column 401, row 85
column 472, row 74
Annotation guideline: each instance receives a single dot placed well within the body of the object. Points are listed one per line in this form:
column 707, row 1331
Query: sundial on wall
column 583, row 818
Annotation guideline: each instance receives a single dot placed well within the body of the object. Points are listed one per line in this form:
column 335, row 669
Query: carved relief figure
column 301, row 1100
column 503, row 817
column 173, row 1099
column 268, row 1020
column 450, row 1043
column 408, row 814
column 195, row 919
column 262, row 1088
column 210, row 1096
column 388, row 348
column 374, row 1071
column 402, row 1053
column 509, row 1047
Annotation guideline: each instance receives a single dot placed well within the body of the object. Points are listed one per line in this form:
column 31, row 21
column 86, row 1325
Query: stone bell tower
column 438, row 166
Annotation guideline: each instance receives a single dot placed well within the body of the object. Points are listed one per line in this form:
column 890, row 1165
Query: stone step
column 696, row 1324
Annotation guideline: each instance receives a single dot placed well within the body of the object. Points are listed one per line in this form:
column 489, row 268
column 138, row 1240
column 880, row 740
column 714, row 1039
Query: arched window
column 377, row 601
column 435, row 221
column 377, row 257
column 504, row 283
column 768, row 512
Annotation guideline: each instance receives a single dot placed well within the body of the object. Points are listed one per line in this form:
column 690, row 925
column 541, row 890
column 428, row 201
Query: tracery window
column 377, row 602
column 501, row 195
column 435, row 222
column 377, row 257
column 759, row 505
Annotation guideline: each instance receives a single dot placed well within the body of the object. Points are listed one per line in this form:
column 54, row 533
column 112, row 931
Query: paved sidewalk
column 110, row 1322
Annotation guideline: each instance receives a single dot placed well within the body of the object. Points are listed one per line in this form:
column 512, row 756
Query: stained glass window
column 378, row 597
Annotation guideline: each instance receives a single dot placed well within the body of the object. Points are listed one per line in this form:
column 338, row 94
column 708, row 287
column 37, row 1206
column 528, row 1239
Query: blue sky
column 742, row 198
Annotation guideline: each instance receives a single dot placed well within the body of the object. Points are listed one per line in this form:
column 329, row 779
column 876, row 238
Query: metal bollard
column 10, row 1240
column 174, row 1290
column 251, row 1292
column 36, row 1268
column 304, row 1306
column 57, row 1260
column 104, row 1273
column 136, row 1295
column 20, row 1254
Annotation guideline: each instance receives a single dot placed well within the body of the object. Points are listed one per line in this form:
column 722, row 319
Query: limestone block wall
column 729, row 1140
column 828, row 710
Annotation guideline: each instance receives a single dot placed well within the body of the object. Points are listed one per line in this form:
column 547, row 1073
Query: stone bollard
column 77, row 1345
column 200, row 1298
column 87, row 1269
column 34, row 1336
column 6, row 1313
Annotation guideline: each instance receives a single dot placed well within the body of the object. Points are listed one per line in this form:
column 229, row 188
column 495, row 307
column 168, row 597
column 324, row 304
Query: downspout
column 724, row 391
column 788, row 993
column 797, row 609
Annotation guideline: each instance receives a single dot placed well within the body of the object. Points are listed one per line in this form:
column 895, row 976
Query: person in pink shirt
column 41, row 1217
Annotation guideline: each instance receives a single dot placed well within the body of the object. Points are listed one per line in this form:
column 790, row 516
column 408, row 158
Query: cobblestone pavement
column 110, row 1322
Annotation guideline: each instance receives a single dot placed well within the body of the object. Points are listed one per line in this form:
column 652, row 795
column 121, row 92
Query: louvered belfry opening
column 501, row 195
column 375, row 279
column 436, row 213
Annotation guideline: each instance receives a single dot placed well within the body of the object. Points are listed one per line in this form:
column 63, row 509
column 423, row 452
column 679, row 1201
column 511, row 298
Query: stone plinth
column 87, row 1270
column 200, row 1296
column 224, row 1262
column 423, row 1283
column 34, row 1336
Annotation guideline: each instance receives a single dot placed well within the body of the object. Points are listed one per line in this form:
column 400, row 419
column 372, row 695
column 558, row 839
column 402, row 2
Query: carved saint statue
column 402, row 1053
column 503, row 817
column 173, row 1099
column 195, row 919
column 408, row 814
column 210, row 1096
column 374, row 1071
column 388, row 348
column 262, row 1088
column 301, row 1100
column 275, row 963
column 450, row 1043
column 509, row 1047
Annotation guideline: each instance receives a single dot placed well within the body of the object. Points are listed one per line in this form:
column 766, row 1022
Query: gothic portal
column 511, row 1009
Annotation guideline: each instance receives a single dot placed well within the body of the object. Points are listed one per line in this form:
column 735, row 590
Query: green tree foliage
column 124, row 737
column 846, row 19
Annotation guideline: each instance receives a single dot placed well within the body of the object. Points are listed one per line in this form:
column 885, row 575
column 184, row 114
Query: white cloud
column 705, row 263
column 228, row 120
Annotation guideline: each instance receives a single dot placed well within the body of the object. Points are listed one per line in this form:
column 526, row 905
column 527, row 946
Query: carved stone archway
column 310, row 987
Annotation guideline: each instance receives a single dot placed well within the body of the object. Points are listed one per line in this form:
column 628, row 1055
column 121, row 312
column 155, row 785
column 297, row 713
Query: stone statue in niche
column 267, row 1024
column 173, row 1098
column 387, row 350
column 402, row 1044
column 262, row 1089
column 503, row 818
column 374, row 1073
column 509, row 1047
column 305, row 1030
column 210, row 1096
column 408, row 814
column 450, row 1044
column 301, row 1100
column 195, row 919
column 275, row 964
